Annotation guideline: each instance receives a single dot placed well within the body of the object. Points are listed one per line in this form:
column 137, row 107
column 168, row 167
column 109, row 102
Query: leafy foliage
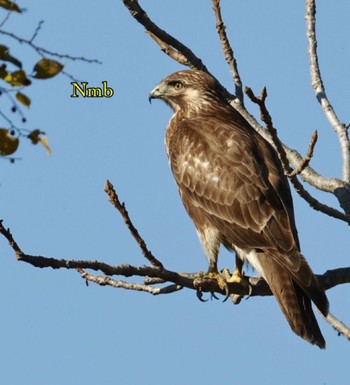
column 15, row 77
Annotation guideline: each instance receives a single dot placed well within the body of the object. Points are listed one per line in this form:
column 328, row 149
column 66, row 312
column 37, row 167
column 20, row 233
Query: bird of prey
column 233, row 187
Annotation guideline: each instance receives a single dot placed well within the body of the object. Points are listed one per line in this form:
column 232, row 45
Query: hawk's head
column 187, row 90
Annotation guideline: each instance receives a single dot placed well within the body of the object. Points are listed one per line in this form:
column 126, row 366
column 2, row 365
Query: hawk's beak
column 157, row 92
column 154, row 94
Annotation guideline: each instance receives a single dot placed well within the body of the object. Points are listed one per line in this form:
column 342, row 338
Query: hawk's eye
column 177, row 85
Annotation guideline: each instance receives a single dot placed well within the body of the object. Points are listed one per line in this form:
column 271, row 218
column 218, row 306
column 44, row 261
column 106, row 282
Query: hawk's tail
column 294, row 297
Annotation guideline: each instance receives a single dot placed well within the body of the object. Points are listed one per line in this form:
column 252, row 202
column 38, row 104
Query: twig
column 338, row 326
column 306, row 160
column 37, row 29
column 9, row 121
column 228, row 51
column 318, row 86
column 107, row 281
column 315, row 204
column 113, row 198
column 7, row 234
column 7, row 16
column 170, row 51
column 41, row 51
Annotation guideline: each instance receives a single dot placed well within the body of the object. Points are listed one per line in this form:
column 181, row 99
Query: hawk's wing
column 232, row 177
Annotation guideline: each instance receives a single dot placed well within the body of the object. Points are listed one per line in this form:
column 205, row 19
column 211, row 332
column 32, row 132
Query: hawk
column 233, row 187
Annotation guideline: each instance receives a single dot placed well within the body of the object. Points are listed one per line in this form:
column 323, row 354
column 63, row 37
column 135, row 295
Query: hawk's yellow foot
column 237, row 278
column 207, row 281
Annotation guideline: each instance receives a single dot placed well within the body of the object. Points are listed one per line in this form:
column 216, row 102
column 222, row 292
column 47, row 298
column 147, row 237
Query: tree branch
column 43, row 51
column 104, row 281
column 318, row 86
column 158, row 275
column 259, row 287
column 307, row 158
column 228, row 51
column 173, row 281
column 114, row 200
column 163, row 39
column 337, row 325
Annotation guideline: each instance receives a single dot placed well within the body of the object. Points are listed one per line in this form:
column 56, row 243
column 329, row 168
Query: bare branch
column 317, row 84
column 155, row 275
column 7, row 16
column 107, row 281
column 306, row 160
column 7, row 234
column 332, row 278
column 337, row 325
column 158, row 275
column 170, row 51
column 228, row 51
column 162, row 36
column 113, row 198
column 43, row 51
column 37, row 29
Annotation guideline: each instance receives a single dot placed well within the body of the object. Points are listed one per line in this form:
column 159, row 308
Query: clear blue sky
column 53, row 329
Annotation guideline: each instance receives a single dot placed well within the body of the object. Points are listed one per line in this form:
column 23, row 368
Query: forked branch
column 156, row 278
column 320, row 91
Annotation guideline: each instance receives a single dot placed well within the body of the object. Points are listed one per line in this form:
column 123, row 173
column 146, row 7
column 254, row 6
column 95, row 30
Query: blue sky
column 54, row 329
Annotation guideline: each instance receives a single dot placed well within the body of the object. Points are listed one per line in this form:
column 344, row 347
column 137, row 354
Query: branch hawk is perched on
column 233, row 187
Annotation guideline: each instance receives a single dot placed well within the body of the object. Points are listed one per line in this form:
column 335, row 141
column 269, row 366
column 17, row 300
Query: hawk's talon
column 227, row 291
column 212, row 295
column 199, row 294
column 227, row 296
column 250, row 292
column 204, row 281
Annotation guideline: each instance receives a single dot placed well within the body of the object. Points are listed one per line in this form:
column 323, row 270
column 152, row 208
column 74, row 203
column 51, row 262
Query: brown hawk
column 233, row 187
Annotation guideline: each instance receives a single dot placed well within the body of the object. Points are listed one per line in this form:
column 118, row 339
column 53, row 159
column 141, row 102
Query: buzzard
column 233, row 187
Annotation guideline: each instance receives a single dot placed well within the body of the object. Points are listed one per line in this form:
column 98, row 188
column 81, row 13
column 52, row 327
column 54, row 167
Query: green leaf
column 8, row 143
column 5, row 55
column 10, row 6
column 24, row 99
column 17, row 78
column 47, row 68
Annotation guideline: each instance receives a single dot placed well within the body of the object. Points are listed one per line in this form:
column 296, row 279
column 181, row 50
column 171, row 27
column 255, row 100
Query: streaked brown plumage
column 233, row 187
